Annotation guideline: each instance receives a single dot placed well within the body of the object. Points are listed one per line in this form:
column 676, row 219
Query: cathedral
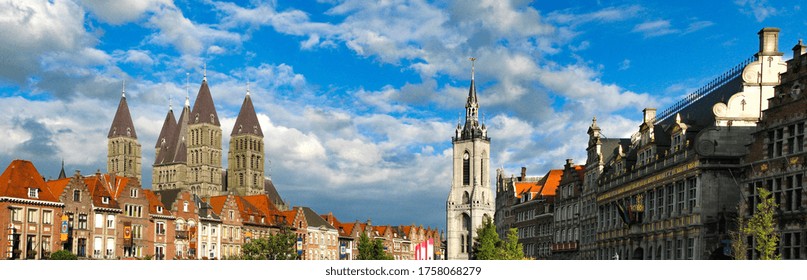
column 470, row 200
column 188, row 152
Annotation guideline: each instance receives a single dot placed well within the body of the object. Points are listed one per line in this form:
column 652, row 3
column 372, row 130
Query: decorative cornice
column 31, row 201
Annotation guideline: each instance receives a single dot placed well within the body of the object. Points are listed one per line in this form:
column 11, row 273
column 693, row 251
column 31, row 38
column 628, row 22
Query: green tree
column 738, row 245
column 371, row 249
column 274, row 247
column 63, row 255
column 762, row 225
column 488, row 245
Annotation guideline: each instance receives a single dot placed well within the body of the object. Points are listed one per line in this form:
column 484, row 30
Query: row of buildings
column 673, row 189
column 195, row 208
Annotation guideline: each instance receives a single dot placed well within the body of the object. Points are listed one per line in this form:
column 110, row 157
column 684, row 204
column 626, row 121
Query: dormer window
column 133, row 193
column 105, row 200
column 33, row 192
column 159, row 209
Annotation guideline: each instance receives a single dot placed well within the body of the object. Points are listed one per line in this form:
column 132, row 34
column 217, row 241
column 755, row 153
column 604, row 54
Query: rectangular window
column 133, row 193
column 110, row 221
column 45, row 245
column 692, row 193
column 791, row 246
column 97, row 247
column 185, row 206
column 33, row 193
column 16, row 214
column 680, row 200
column 47, row 217
column 32, row 215
column 99, row 220
column 82, row 221
column 76, row 195
column 691, row 248
column 160, row 228
column 110, row 247
column 137, row 231
column 670, row 200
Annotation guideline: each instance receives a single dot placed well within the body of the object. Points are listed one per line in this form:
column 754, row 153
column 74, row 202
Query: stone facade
column 470, row 200
column 566, row 245
column 776, row 160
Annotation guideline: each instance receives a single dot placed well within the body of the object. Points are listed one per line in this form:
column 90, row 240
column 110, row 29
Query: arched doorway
column 638, row 254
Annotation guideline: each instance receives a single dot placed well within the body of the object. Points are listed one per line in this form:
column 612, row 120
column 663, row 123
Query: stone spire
column 204, row 111
column 472, row 128
column 61, row 173
column 247, row 121
column 122, row 124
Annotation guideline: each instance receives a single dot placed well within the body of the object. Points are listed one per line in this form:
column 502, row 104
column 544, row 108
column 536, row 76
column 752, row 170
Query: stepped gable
column 122, row 124
column 247, row 121
column 99, row 190
column 204, row 111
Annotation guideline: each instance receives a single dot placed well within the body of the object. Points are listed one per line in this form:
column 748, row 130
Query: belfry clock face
column 465, row 156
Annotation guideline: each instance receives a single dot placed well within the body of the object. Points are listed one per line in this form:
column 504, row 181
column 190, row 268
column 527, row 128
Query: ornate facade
column 470, row 200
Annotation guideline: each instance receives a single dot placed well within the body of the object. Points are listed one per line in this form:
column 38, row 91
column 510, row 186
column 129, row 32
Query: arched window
column 466, row 199
column 466, row 169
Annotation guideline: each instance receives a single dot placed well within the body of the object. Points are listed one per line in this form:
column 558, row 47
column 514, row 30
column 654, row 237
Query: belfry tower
column 204, row 145
column 123, row 150
column 246, row 157
column 470, row 200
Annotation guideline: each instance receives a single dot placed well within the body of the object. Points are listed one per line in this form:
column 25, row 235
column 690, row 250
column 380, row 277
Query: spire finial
column 594, row 120
column 123, row 89
column 473, row 61
column 170, row 106
column 204, row 72
column 247, row 87
column 187, row 89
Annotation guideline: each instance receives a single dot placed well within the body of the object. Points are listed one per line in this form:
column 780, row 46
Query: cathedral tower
column 123, row 150
column 204, row 145
column 470, row 200
column 246, row 155
column 170, row 159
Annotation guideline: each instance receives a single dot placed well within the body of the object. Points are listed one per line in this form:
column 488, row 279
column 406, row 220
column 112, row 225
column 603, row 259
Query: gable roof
column 247, row 120
column 314, row 220
column 21, row 175
column 155, row 202
column 203, row 107
column 122, row 124
column 99, row 190
column 57, row 186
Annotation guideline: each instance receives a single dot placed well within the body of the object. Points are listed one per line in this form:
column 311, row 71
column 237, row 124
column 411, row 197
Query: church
column 470, row 201
column 188, row 152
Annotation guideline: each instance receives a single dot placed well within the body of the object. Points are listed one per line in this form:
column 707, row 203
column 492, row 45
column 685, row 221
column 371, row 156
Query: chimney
column 649, row 114
column 799, row 50
column 523, row 174
column 769, row 41
column 569, row 163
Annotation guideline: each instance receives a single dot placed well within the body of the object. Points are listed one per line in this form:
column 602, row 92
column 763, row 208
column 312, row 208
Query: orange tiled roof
column 57, row 186
column 155, row 202
column 262, row 202
column 21, row 175
column 547, row 186
column 521, row 187
column 248, row 210
column 217, row 203
column 98, row 190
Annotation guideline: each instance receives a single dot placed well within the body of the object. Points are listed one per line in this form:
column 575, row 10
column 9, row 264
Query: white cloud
column 186, row 36
column 654, row 28
column 760, row 9
column 625, row 64
column 122, row 11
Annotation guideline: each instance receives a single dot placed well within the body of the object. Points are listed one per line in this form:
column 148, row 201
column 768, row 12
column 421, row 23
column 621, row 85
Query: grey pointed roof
column 315, row 220
column 122, row 124
column 61, row 173
column 168, row 197
column 247, row 121
column 204, row 108
column 271, row 191
column 169, row 125
column 174, row 149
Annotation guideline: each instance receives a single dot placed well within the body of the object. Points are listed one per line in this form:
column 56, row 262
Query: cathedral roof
column 122, row 124
column 169, row 126
column 247, row 121
column 203, row 107
column 174, row 150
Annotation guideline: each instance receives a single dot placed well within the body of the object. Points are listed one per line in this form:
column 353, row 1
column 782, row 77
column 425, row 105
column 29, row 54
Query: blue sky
column 358, row 99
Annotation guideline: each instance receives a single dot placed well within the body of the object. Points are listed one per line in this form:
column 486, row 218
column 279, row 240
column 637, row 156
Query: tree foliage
column 274, row 247
column 63, row 255
column 488, row 245
column 371, row 249
column 762, row 225
column 738, row 245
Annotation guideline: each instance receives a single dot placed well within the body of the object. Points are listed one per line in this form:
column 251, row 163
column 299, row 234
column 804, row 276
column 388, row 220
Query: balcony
column 565, row 247
column 182, row 234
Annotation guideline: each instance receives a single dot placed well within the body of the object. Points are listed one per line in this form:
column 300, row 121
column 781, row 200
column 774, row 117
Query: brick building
column 567, row 213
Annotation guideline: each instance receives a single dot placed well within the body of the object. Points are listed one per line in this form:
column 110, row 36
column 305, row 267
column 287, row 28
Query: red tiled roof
column 155, row 202
column 217, row 203
column 547, row 186
column 98, row 190
column 57, row 186
column 21, row 175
